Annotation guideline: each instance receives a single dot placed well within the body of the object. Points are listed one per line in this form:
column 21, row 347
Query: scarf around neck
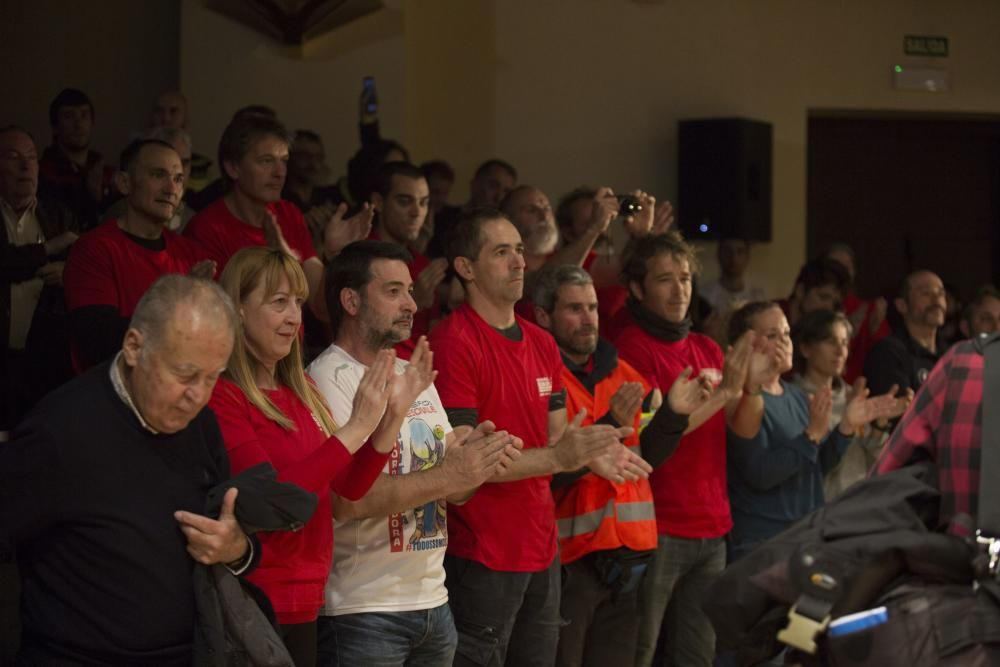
column 656, row 326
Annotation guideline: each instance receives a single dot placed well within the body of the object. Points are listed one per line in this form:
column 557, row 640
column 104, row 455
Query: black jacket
column 233, row 626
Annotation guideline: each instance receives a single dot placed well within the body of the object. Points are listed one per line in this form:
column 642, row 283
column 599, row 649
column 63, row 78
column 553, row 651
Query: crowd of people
column 528, row 446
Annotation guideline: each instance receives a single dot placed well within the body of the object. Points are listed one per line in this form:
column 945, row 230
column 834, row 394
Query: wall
column 594, row 96
column 451, row 84
column 592, row 91
column 225, row 65
column 122, row 53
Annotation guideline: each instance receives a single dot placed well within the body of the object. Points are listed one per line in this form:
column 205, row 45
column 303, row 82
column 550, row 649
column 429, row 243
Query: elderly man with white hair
column 102, row 487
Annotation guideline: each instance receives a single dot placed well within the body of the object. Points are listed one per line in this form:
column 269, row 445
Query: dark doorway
column 906, row 192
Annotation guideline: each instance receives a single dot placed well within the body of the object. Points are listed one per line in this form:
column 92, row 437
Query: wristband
column 240, row 565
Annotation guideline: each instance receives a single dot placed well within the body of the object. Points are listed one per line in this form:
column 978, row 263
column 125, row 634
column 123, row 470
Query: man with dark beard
column 386, row 595
column 906, row 356
column 607, row 531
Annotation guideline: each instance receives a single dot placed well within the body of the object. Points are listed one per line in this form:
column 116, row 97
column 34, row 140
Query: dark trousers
column 503, row 618
column 678, row 579
column 599, row 626
column 300, row 640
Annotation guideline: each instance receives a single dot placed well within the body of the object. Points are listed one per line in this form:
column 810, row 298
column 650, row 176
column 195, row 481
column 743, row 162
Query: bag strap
column 988, row 512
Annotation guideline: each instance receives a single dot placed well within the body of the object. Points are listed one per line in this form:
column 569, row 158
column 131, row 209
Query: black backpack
column 877, row 545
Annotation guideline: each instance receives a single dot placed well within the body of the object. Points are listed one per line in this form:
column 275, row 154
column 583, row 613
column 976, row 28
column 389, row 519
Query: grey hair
column 170, row 135
column 157, row 306
column 546, row 284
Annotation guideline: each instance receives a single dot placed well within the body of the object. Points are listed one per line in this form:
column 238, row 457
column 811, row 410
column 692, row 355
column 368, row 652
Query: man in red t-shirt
column 689, row 489
column 253, row 155
column 112, row 266
column 503, row 573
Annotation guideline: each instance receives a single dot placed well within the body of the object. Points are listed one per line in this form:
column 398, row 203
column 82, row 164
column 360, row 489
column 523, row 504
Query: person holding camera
column 546, row 243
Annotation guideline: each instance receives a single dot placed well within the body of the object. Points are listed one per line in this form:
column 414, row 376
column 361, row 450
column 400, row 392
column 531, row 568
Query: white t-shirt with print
column 396, row 562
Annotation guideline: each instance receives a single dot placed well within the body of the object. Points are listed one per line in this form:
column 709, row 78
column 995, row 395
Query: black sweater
column 88, row 496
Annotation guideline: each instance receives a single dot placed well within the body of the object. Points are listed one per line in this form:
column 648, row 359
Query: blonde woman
column 269, row 410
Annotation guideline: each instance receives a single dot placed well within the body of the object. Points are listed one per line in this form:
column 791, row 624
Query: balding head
column 177, row 345
column 197, row 300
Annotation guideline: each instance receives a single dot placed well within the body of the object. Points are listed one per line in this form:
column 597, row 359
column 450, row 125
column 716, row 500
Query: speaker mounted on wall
column 724, row 179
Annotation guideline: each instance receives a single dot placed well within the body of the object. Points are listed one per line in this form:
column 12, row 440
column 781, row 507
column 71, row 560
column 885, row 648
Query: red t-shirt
column 294, row 565
column 689, row 489
column 506, row 526
column 223, row 234
column 614, row 315
column 107, row 268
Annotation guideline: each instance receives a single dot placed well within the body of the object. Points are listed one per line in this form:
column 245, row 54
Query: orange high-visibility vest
column 594, row 514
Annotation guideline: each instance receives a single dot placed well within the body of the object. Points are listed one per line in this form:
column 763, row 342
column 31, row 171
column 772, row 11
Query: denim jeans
column 424, row 638
column 504, row 618
column 676, row 583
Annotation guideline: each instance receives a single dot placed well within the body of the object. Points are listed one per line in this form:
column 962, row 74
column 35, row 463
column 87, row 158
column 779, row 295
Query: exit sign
column 934, row 46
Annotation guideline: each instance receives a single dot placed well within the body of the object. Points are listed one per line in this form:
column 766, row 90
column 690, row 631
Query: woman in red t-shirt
column 269, row 410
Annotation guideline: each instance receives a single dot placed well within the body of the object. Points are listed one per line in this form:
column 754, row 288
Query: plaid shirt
column 944, row 424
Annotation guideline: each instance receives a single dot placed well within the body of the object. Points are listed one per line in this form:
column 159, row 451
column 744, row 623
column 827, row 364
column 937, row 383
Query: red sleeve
column 295, row 231
column 354, row 481
column 204, row 230
column 236, row 421
column 456, row 366
column 916, row 430
column 89, row 274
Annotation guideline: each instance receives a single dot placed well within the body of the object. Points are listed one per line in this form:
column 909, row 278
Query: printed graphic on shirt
column 426, row 449
column 544, row 386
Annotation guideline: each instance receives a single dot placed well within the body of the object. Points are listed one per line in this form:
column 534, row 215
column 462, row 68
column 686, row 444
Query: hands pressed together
column 481, row 454
column 384, row 397
column 599, row 447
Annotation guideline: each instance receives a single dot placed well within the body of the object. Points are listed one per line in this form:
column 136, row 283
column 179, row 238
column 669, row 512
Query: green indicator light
column 898, row 69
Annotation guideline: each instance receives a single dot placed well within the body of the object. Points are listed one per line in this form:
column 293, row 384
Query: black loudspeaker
column 724, row 179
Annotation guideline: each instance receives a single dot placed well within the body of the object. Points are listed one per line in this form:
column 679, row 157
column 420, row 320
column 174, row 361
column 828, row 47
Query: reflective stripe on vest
column 594, row 514
column 582, row 524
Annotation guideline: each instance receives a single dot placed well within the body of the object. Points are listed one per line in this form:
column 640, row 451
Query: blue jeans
column 424, row 638
column 671, row 595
